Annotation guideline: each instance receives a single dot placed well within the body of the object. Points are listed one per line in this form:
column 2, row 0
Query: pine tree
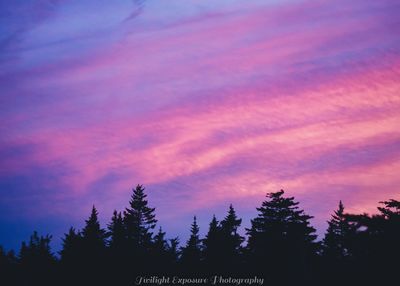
column 139, row 220
column 93, row 254
column 36, row 260
column 160, row 244
column 231, row 246
column 191, row 253
column 336, row 241
column 160, row 253
column 71, row 247
column 8, row 267
column 92, row 234
column 173, row 249
column 116, row 232
column 281, row 237
column 212, row 244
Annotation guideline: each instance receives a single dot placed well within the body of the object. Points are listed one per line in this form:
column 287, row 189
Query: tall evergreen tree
column 8, row 267
column 212, row 244
column 281, row 238
column 93, row 249
column 139, row 220
column 232, row 240
column 173, row 250
column 92, row 234
column 160, row 253
column 71, row 247
column 160, row 244
column 36, row 260
column 191, row 253
column 72, row 262
column 336, row 241
column 116, row 232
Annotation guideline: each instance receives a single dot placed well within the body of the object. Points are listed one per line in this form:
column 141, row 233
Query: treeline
column 281, row 247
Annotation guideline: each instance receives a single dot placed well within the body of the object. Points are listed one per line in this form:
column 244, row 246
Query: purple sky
column 204, row 102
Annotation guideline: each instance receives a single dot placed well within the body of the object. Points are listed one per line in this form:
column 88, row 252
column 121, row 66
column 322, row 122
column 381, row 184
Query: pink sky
column 204, row 103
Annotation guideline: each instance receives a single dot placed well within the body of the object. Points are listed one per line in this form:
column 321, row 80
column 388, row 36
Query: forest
column 280, row 246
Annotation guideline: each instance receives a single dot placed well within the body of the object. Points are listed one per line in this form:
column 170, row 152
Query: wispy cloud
column 204, row 103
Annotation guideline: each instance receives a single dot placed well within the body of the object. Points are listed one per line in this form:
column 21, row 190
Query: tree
column 336, row 241
column 8, row 267
column 173, row 250
column 231, row 246
column 36, row 260
column 116, row 233
column 212, row 244
column 139, row 220
column 92, row 234
column 71, row 247
column 160, row 252
column 160, row 244
column 191, row 253
column 281, row 238
column 93, row 249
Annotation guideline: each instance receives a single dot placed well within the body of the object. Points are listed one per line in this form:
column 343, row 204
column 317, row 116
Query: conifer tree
column 8, row 267
column 116, row 232
column 160, row 244
column 139, row 220
column 71, row 247
column 173, row 249
column 336, row 241
column 36, row 260
column 212, row 244
column 281, row 237
column 191, row 253
column 93, row 236
column 231, row 240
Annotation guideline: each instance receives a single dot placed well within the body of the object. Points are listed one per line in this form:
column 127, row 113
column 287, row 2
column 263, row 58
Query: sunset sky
column 204, row 102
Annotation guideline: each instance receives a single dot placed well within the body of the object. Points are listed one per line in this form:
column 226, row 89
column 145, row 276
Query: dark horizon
column 280, row 241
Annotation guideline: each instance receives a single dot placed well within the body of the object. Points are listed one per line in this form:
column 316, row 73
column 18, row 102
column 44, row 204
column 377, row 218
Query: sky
column 204, row 102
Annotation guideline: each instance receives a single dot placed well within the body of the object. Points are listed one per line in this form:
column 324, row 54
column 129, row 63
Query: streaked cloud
column 204, row 103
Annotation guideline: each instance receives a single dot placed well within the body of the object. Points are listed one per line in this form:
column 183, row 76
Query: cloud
column 206, row 105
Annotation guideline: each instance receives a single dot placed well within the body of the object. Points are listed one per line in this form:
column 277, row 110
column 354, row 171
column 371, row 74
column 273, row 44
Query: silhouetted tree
column 72, row 264
column 8, row 267
column 160, row 253
column 116, row 233
column 160, row 244
column 37, row 262
column 71, row 247
column 335, row 243
column 191, row 253
column 173, row 250
column 93, row 249
column 212, row 245
column 281, row 239
column 139, row 220
column 231, row 239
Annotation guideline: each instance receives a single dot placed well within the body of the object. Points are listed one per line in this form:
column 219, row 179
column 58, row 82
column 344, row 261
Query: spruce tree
column 281, row 238
column 212, row 244
column 37, row 262
column 191, row 253
column 173, row 250
column 336, row 241
column 139, row 220
column 160, row 244
column 71, row 247
column 8, row 267
column 116, row 233
column 93, row 236
column 231, row 239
